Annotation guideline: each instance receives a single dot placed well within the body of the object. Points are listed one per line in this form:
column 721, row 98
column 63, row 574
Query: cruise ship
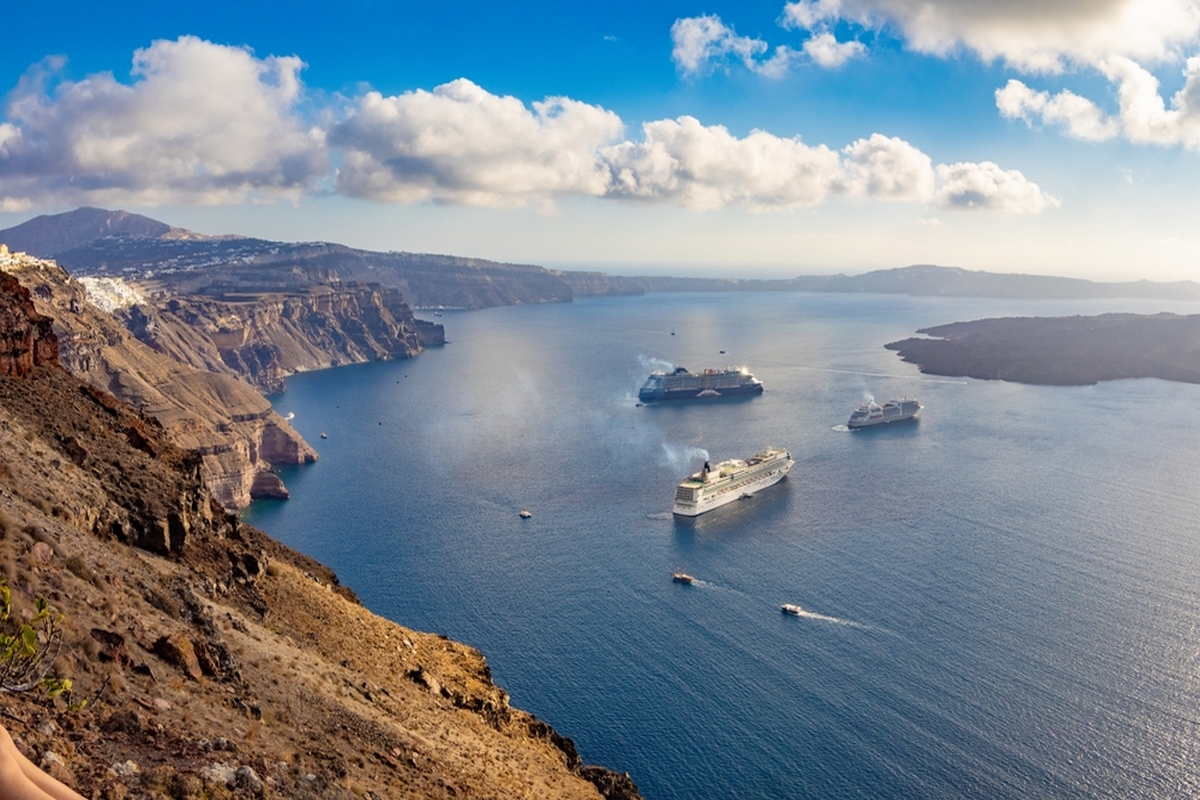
column 873, row 413
column 684, row 385
column 713, row 487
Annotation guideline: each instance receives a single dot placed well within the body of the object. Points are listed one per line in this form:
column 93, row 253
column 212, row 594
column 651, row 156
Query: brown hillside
column 215, row 661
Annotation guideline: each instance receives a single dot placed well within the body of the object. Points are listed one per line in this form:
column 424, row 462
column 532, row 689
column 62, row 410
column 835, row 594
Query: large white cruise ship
column 713, row 487
column 892, row 411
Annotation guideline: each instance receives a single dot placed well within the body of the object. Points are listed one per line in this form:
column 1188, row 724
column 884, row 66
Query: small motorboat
column 525, row 513
column 682, row 577
column 789, row 608
column 324, row 435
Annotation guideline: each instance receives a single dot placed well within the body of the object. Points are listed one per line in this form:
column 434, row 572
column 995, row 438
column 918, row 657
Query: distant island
column 1061, row 351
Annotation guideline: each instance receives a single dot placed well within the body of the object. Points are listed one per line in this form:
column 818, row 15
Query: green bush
column 27, row 651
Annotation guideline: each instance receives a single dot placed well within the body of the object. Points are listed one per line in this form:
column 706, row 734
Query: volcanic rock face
column 263, row 337
column 26, row 337
column 233, row 428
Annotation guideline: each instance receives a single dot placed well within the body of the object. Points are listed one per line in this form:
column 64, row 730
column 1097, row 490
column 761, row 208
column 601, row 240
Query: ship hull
column 692, row 500
column 654, row 396
column 870, row 423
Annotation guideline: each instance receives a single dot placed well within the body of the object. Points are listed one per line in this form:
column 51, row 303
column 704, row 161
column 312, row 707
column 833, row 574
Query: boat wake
column 840, row 428
column 804, row 614
column 661, row 515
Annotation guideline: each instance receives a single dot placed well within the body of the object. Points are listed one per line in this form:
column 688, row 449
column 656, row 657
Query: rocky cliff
column 235, row 430
column 215, row 662
column 265, row 337
column 26, row 337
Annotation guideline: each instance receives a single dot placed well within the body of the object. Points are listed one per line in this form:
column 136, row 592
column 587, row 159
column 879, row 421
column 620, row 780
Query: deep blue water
column 1005, row 594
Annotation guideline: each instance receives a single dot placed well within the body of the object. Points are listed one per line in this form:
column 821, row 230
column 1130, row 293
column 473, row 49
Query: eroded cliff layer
column 215, row 661
column 264, row 337
column 235, row 430
column 26, row 337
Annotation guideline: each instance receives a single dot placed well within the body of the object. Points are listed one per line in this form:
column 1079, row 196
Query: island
column 1061, row 351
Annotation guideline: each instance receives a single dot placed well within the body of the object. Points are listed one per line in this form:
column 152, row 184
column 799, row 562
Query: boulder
column 178, row 651
column 112, row 647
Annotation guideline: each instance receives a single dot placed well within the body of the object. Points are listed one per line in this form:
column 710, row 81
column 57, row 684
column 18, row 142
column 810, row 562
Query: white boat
column 873, row 413
column 713, row 487
column 791, row 608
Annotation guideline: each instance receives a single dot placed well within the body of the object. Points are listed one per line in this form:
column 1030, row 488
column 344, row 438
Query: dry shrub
column 89, row 647
column 164, row 603
column 8, row 526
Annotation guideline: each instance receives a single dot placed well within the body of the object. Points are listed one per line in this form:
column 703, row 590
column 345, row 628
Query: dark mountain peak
column 50, row 234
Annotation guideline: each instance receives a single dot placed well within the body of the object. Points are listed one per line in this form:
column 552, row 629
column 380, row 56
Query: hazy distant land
column 1061, row 351
column 96, row 241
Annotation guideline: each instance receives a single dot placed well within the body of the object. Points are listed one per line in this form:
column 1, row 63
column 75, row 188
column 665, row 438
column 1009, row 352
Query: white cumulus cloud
column 700, row 42
column 462, row 144
column 1081, row 118
column 206, row 123
column 888, row 168
column 1143, row 116
column 828, row 52
column 200, row 123
column 701, row 167
column 987, row 186
column 1031, row 35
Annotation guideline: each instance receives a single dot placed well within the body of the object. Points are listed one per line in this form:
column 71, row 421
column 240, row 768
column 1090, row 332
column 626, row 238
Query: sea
column 1002, row 598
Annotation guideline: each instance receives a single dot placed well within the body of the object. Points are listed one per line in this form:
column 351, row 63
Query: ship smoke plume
column 680, row 459
column 650, row 364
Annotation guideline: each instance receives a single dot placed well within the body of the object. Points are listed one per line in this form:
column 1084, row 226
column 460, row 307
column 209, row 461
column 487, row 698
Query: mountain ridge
column 187, row 262
column 49, row 234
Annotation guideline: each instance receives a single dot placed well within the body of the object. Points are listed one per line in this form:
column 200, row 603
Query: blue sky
column 753, row 138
